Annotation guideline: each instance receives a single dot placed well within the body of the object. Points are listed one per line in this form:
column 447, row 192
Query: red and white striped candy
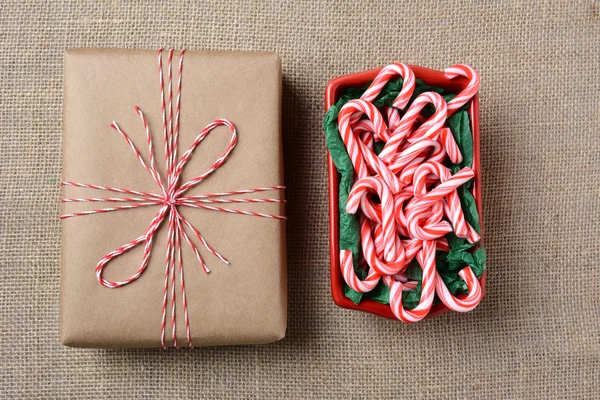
column 393, row 119
column 384, row 76
column 427, row 223
column 373, row 185
column 371, row 255
column 442, row 190
column 378, row 239
column 426, row 258
column 350, row 277
column 452, row 201
column 359, row 153
column 365, row 130
column 399, row 200
column 402, row 159
column 457, row 304
column 447, row 140
column 467, row 94
column 427, row 130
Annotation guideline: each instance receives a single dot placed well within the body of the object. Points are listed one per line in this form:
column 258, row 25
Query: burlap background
column 535, row 335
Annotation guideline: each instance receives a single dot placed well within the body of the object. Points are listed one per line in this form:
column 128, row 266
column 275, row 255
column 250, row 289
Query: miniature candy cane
column 426, row 170
column 371, row 210
column 358, row 151
column 455, row 303
column 427, row 130
column 443, row 189
column 366, row 125
column 350, row 277
column 399, row 200
column 374, row 185
column 427, row 223
column 413, row 246
column 447, row 140
column 366, row 131
column 393, row 119
column 373, row 241
column 465, row 95
column 426, row 258
column 473, row 236
column 352, row 143
column 452, row 205
column 442, row 245
column 377, row 233
column 406, row 176
column 370, row 253
column 407, row 173
column 417, row 208
column 430, row 128
column 402, row 159
column 384, row 76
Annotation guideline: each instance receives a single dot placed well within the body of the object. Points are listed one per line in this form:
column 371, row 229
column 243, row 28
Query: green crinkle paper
column 447, row 264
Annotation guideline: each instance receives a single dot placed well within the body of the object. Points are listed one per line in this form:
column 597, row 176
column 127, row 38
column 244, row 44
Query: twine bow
column 172, row 195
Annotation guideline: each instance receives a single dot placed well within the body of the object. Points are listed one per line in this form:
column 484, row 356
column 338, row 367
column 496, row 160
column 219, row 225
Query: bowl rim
column 332, row 92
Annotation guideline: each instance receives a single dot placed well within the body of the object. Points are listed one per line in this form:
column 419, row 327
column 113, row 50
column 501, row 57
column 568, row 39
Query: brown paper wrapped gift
column 244, row 302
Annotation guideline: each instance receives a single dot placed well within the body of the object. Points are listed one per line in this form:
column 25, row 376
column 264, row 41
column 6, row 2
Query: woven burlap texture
column 535, row 335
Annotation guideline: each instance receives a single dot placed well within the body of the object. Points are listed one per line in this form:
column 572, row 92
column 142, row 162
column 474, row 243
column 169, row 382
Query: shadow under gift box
column 335, row 88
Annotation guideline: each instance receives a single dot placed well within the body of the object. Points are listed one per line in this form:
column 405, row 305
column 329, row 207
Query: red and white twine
column 172, row 195
column 416, row 194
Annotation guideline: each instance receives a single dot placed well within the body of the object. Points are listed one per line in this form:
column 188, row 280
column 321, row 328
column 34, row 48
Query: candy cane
column 406, row 176
column 427, row 130
column 427, row 223
column 417, row 208
column 384, row 76
column 366, row 132
column 447, row 140
column 473, row 237
column 426, row 259
column 374, row 185
column 393, row 119
column 370, row 253
column 399, row 200
column 467, row 93
column 407, row 285
column 402, row 159
column 366, row 125
column 469, row 302
column 413, row 246
column 358, row 151
column 430, row 128
column 350, row 277
column 452, row 205
column 379, row 242
column 353, row 147
column 443, row 189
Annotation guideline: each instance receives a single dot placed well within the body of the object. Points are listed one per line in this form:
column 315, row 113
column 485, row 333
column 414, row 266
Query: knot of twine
column 171, row 196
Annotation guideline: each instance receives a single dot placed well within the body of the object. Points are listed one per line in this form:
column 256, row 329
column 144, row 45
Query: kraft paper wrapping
column 244, row 302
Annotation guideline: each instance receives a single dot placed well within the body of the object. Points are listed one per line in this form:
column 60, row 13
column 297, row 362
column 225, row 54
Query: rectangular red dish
column 335, row 88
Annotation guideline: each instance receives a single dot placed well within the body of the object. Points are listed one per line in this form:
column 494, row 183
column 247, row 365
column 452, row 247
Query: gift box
column 174, row 252
column 337, row 88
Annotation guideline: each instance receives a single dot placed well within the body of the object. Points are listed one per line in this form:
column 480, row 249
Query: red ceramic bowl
column 334, row 89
